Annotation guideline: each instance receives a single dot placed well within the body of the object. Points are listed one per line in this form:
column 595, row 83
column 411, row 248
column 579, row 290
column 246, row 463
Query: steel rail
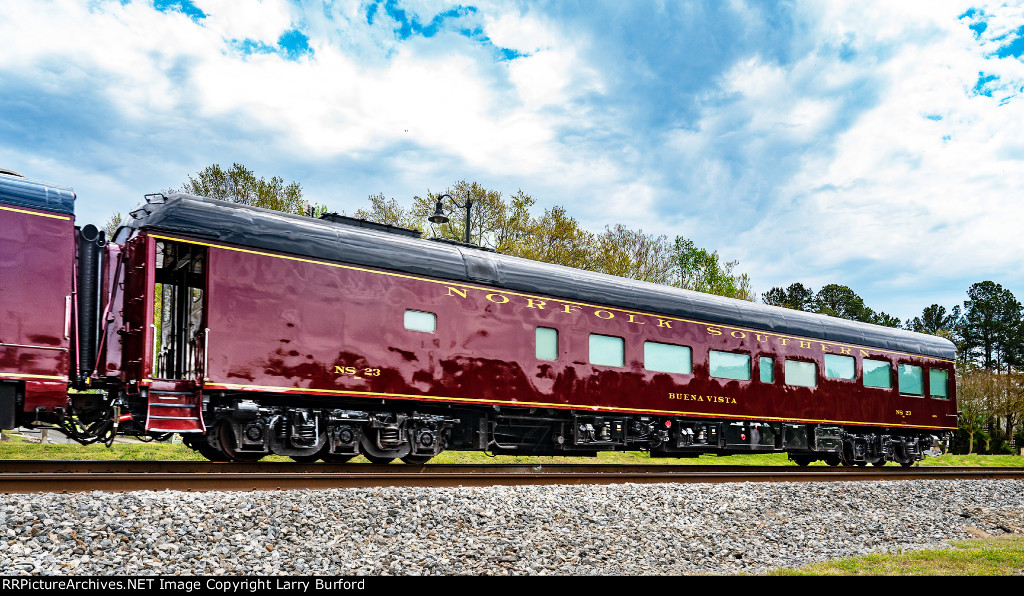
column 27, row 476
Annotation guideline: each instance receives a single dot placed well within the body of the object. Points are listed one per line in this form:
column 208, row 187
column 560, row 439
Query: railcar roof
column 22, row 192
column 231, row 223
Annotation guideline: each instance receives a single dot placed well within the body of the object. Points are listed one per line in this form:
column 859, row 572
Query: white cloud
column 259, row 20
column 868, row 159
column 525, row 34
column 855, row 148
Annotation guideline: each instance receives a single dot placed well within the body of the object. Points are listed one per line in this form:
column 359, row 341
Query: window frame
column 537, row 344
column 761, row 368
column 785, row 372
column 863, row 373
column 931, row 392
column 750, row 365
column 405, row 320
column 671, row 372
column 590, row 350
column 824, row 370
column 899, row 378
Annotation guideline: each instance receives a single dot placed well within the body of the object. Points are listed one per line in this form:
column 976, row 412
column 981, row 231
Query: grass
column 18, row 448
column 1002, row 555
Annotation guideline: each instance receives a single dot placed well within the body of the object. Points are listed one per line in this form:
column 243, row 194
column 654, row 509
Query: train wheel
column 847, row 457
column 832, row 459
column 862, row 463
column 205, row 449
column 311, row 458
column 416, row 460
column 800, row 460
column 372, row 445
column 879, row 462
column 227, row 441
column 337, row 459
column 907, row 464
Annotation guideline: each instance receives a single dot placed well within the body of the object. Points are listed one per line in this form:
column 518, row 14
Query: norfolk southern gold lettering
column 608, row 314
column 805, row 344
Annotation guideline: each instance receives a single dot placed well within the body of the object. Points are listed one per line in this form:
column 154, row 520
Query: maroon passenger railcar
column 253, row 332
column 37, row 232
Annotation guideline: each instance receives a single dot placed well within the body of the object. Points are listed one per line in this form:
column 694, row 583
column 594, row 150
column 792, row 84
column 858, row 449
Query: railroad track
column 26, row 476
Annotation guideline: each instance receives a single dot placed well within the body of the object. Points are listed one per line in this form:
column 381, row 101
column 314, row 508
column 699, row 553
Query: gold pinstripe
column 42, row 377
column 50, row 215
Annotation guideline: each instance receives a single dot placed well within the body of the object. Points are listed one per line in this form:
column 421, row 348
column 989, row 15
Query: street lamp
column 440, row 218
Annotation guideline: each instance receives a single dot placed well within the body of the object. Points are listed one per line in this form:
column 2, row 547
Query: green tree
column 796, row 297
column 506, row 225
column 494, row 221
column 935, row 321
column 1009, row 401
column 700, row 270
column 989, row 329
column 976, row 390
column 833, row 299
column 990, row 334
column 239, row 185
column 885, row 320
column 840, row 301
column 110, row 227
column 631, row 253
column 557, row 238
column 389, row 212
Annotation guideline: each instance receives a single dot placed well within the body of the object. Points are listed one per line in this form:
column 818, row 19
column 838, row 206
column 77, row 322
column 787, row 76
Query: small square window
column 911, row 379
column 877, row 373
column 547, row 343
column 840, row 367
column 668, row 358
column 606, row 350
column 801, row 374
column 416, row 320
column 729, row 365
column 767, row 366
column 938, row 383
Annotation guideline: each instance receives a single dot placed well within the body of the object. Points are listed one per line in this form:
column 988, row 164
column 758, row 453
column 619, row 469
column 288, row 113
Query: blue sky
column 873, row 144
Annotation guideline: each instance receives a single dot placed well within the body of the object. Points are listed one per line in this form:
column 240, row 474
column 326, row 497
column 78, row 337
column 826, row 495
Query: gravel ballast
column 626, row 529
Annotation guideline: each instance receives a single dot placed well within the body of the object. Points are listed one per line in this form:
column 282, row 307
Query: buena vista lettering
column 715, row 399
column 608, row 314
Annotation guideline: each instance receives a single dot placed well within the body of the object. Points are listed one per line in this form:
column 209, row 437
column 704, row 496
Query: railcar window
column 547, row 343
column 729, row 365
column 668, row 358
column 877, row 373
column 911, row 379
column 416, row 320
column 938, row 383
column 801, row 374
column 840, row 367
column 606, row 350
column 767, row 366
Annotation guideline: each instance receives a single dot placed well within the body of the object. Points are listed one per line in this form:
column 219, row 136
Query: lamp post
column 440, row 218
